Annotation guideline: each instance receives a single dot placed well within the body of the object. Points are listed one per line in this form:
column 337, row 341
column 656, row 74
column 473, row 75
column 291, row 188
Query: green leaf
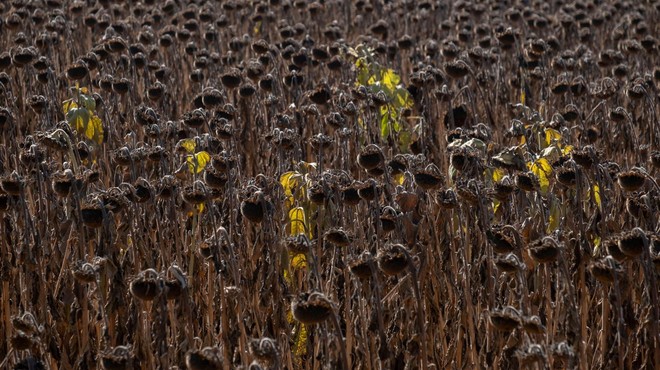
column 475, row 144
column 78, row 119
column 510, row 156
column 198, row 161
column 363, row 74
column 87, row 102
column 390, row 79
column 551, row 153
column 405, row 138
column 85, row 123
column 384, row 123
column 402, row 98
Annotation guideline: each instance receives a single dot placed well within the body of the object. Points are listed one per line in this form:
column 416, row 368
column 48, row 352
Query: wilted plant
column 189, row 176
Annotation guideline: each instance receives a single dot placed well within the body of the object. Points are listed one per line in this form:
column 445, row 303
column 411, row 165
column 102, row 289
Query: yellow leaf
column 551, row 135
column 496, row 205
column 188, row 144
column 94, row 129
column 298, row 261
column 554, row 217
column 498, row 174
column 596, row 240
column 363, row 75
column 567, row 149
column 595, row 190
column 542, row 169
column 197, row 162
column 390, row 79
column 290, row 181
column 300, row 346
column 399, row 178
column 298, row 223
column 68, row 105
column 199, row 208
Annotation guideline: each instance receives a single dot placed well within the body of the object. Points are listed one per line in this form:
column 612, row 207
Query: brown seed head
column 429, row 177
column 147, row 285
column 544, row 250
column 265, row 350
column 92, row 213
column 605, row 270
column 562, row 351
column 533, row 325
column 508, row 263
column 370, row 157
column 501, row 242
column 506, row 319
column 338, row 237
column 175, row 283
column 252, row 207
column 117, row 358
column 361, row 266
column 311, row 307
column 25, row 323
column 195, row 193
column 84, row 272
column 208, row 358
column 631, row 180
column 632, row 243
column 447, row 199
column 527, row 181
column 392, row 259
column 22, row 341
column 531, row 354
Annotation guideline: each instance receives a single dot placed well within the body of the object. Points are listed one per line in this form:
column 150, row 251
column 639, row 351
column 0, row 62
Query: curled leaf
column 497, row 174
column 298, row 261
column 94, row 130
column 198, row 161
column 68, row 105
column 188, row 145
column 551, row 136
column 543, row 170
column 290, row 182
column 297, row 221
